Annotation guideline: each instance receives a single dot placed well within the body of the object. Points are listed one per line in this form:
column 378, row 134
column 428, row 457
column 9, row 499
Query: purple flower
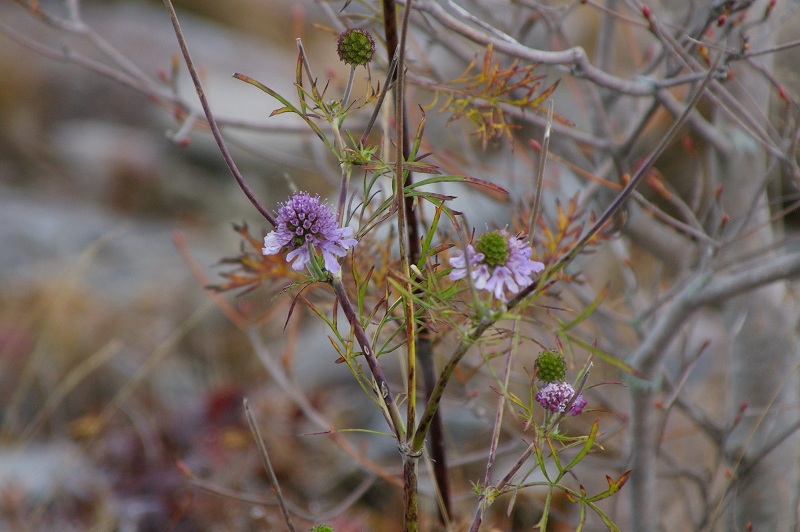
column 305, row 221
column 498, row 263
column 556, row 395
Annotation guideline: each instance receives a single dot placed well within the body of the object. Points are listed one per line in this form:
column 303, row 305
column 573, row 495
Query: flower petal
column 302, row 256
column 271, row 244
column 331, row 262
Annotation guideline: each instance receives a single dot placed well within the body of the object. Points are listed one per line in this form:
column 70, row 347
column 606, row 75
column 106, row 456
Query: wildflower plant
column 418, row 290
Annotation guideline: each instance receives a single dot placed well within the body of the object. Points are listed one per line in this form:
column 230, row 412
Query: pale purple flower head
column 556, row 395
column 498, row 263
column 304, row 220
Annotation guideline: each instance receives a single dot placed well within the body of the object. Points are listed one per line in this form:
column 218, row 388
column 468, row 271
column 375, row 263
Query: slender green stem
column 349, row 87
column 381, row 97
column 343, row 187
column 408, row 239
column 444, row 377
column 403, row 235
column 410, row 252
column 537, row 198
column 410, row 495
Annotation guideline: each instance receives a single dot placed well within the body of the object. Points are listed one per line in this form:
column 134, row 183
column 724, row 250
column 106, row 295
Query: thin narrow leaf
column 299, row 83
column 608, row 358
column 513, row 398
column 581, row 519
column 587, row 447
column 586, row 312
column 426, row 244
column 613, row 487
column 459, row 179
column 288, row 107
column 554, row 455
column 542, row 524
column 336, row 431
column 325, row 318
column 417, row 139
column 540, row 459
column 606, row 520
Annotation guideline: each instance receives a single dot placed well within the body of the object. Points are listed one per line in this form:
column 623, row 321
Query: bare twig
column 537, row 198
column 498, row 423
column 210, row 117
column 273, row 480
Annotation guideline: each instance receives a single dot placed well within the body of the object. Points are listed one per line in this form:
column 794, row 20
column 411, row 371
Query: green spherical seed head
column 494, row 246
column 551, row 366
column 356, row 47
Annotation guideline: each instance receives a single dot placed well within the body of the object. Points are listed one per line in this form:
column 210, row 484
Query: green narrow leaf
column 426, row 243
column 542, row 524
column 299, row 83
column 458, row 179
column 556, row 459
column 362, row 431
column 287, row 105
column 602, row 355
column 587, row 447
column 606, row 520
column 417, row 139
column 582, row 518
column 540, row 459
column 586, row 312
column 324, row 318
column 514, row 399
column 361, row 287
column 613, row 487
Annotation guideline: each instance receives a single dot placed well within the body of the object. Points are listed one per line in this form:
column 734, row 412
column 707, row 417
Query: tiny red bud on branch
column 783, row 94
column 769, row 8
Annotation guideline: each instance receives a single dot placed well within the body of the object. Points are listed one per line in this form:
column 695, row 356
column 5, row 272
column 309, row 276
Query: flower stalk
column 393, row 415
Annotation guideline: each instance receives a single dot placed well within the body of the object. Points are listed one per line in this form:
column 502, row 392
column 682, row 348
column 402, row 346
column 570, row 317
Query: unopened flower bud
column 551, row 367
column 356, row 47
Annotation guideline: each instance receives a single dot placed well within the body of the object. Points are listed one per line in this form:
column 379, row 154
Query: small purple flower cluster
column 555, row 396
column 305, row 221
column 508, row 268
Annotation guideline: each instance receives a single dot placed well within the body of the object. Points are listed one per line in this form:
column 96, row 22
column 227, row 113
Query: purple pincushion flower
column 498, row 263
column 556, row 395
column 304, row 220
